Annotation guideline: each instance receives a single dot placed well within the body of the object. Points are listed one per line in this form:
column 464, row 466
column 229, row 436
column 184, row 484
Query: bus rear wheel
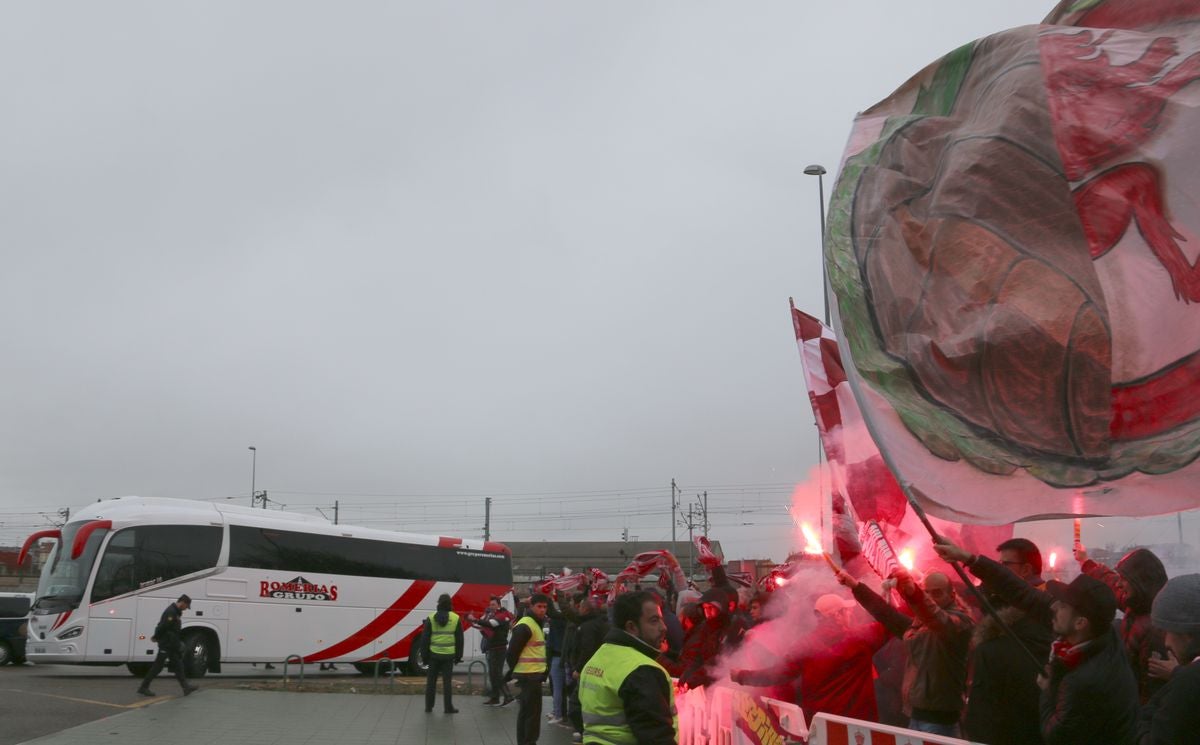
column 198, row 648
column 368, row 668
column 138, row 669
column 417, row 664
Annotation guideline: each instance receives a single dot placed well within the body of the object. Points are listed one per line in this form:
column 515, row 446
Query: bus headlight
column 71, row 633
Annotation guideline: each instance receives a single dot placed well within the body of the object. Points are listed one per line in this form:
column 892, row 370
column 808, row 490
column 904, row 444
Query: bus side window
column 115, row 575
column 149, row 554
column 168, row 551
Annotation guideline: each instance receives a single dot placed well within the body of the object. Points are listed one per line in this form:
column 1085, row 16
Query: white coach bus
column 264, row 585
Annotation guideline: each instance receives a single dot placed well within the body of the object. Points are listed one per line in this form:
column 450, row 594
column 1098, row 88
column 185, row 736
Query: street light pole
column 253, row 468
column 819, row 171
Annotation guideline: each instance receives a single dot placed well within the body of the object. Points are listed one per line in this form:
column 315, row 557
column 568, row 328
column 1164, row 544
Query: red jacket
column 836, row 674
column 835, row 671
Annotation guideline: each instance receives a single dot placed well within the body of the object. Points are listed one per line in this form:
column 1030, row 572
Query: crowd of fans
column 1111, row 657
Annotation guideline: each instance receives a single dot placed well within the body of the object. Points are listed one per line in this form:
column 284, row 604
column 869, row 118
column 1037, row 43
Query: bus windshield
column 64, row 579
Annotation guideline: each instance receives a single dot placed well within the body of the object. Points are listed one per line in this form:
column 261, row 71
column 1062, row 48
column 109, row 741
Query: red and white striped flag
column 561, row 583
column 704, row 553
column 876, row 549
column 646, row 562
column 863, row 486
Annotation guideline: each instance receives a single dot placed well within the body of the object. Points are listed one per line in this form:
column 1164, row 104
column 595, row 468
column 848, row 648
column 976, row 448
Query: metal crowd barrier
column 391, row 668
column 470, row 675
column 288, row 660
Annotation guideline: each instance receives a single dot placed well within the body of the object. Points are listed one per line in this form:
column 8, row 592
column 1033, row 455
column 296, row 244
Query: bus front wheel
column 199, row 648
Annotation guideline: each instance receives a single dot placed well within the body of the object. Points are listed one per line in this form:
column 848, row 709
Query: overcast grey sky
column 421, row 253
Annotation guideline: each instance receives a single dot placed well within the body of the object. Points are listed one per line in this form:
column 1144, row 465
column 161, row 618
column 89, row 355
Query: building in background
column 533, row 560
column 24, row 578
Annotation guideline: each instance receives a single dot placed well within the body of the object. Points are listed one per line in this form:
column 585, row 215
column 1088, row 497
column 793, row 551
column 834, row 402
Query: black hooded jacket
column 1172, row 716
column 592, row 629
column 1145, row 575
column 1094, row 701
column 705, row 642
column 1002, row 702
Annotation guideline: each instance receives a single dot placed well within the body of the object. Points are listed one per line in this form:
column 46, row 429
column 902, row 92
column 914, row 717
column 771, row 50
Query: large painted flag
column 1013, row 244
column 863, row 487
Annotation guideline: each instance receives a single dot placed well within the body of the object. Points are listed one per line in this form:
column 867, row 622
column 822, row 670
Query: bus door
column 108, row 639
column 110, row 625
column 126, row 598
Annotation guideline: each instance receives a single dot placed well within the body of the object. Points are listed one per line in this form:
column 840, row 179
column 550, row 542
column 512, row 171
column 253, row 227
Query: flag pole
column 919, row 511
column 908, row 489
column 826, row 514
column 853, row 381
column 825, row 506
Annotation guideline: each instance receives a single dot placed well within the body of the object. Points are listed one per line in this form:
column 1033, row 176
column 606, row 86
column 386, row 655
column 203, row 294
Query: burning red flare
column 813, row 546
column 812, row 543
column 1053, row 559
column 906, row 559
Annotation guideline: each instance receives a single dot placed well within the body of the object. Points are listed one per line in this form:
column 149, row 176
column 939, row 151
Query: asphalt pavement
column 240, row 717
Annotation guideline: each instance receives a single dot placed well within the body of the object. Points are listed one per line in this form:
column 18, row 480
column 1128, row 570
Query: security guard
column 170, row 647
column 442, row 640
column 627, row 697
column 527, row 664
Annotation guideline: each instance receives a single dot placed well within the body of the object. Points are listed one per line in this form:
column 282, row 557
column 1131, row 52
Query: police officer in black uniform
column 170, row 646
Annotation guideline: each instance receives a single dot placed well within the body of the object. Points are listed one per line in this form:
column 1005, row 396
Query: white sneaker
column 576, row 737
column 552, row 719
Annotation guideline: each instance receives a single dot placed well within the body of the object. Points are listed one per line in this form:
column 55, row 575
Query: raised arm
column 937, row 619
column 892, row 620
column 1001, row 581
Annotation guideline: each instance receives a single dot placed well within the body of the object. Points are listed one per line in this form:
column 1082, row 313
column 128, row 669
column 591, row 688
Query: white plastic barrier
column 724, row 715
column 729, row 715
column 828, row 729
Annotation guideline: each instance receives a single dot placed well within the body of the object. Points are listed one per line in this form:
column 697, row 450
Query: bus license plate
column 39, row 650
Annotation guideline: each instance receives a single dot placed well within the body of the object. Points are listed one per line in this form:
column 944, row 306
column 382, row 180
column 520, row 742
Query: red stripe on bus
column 398, row 611
column 444, row 542
column 468, row 598
column 61, row 620
column 475, row 598
column 496, row 548
column 401, row 649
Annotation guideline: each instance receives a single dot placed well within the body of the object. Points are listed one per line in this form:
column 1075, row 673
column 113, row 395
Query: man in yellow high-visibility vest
column 627, row 697
column 527, row 665
column 442, row 639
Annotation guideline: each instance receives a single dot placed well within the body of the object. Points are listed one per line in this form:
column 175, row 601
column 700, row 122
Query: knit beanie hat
column 1177, row 606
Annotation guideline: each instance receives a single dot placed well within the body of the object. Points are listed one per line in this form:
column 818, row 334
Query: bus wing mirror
column 34, row 538
column 84, row 533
